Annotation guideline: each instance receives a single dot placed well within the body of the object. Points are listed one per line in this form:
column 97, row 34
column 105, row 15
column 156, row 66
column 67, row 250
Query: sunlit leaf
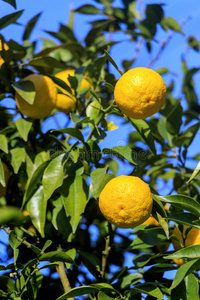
column 99, row 180
column 26, row 90
column 3, row 143
column 30, row 26
column 195, row 172
column 23, row 126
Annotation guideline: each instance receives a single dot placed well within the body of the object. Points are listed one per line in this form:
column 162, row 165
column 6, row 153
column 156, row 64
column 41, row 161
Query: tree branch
column 63, row 277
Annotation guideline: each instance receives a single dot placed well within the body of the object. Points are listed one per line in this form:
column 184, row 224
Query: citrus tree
column 63, row 205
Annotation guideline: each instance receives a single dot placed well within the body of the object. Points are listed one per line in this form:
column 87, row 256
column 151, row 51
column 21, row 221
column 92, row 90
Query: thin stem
column 63, row 277
column 106, row 252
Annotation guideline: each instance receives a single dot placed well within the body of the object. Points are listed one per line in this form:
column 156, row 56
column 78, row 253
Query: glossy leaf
column 125, row 152
column 174, row 119
column 37, row 209
column 195, row 172
column 11, row 215
column 149, row 289
column 75, row 132
column 91, row 262
column 78, row 291
column 75, row 196
column 99, row 180
column 185, row 218
column 56, row 256
column 144, row 130
column 17, row 157
column 26, row 90
column 30, row 26
column 46, row 61
column 193, row 43
column 7, row 284
column 182, row 201
column 2, row 175
column 3, row 143
column 11, row 2
column 111, row 60
column 184, row 271
column 188, row 252
column 87, row 9
column 10, row 19
column 23, row 126
column 192, row 287
column 33, row 182
column 53, row 176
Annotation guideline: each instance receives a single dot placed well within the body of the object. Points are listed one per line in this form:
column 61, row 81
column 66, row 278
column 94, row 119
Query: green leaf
column 193, row 43
column 154, row 12
column 75, row 196
column 46, row 61
column 192, row 287
column 111, row 60
column 7, row 284
column 17, row 157
column 174, row 119
column 2, row 175
column 126, row 152
column 11, row 2
column 11, row 215
column 184, row 271
column 53, row 176
column 26, row 90
column 149, row 289
column 186, row 138
column 144, row 130
column 171, row 23
column 91, row 262
column 103, row 296
column 3, row 143
column 99, row 180
column 23, row 126
column 94, row 111
column 46, row 245
column 78, row 291
column 75, row 132
column 37, row 209
column 72, row 253
column 195, row 172
column 128, row 280
column 182, row 201
column 62, row 84
column 10, row 19
column 185, row 218
column 188, row 252
column 164, row 224
column 30, row 26
column 33, row 182
column 88, row 10
column 53, row 256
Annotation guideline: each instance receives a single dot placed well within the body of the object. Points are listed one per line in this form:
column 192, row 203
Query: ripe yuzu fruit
column 45, row 97
column 5, row 47
column 67, row 102
column 140, row 93
column 126, row 201
column 193, row 238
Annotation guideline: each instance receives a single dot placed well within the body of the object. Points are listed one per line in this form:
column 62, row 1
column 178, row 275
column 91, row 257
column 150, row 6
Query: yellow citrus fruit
column 126, row 201
column 7, row 176
column 5, row 47
column 193, row 238
column 67, row 102
column 45, row 97
column 140, row 93
column 151, row 221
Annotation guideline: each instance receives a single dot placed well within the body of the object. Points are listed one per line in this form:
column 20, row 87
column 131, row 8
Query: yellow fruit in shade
column 140, row 93
column 193, row 238
column 66, row 103
column 7, row 176
column 151, row 221
column 5, row 47
column 126, row 201
column 45, row 97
